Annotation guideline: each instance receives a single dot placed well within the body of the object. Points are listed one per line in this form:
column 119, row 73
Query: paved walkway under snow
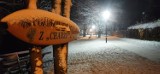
column 117, row 56
column 147, row 49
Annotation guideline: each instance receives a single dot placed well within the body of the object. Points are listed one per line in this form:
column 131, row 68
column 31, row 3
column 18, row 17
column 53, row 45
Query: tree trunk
column 99, row 34
column 84, row 32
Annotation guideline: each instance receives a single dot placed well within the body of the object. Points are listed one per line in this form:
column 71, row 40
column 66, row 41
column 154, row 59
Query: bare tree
column 86, row 13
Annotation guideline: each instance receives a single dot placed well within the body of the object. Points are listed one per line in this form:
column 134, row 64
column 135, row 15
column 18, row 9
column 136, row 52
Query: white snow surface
column 117, row 56
column 144, row 48
column 146, row 25
column 147, row 49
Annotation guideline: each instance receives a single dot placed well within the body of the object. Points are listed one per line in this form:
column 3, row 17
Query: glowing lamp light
column 93, row 27
column 106, row 14
column 90, row 30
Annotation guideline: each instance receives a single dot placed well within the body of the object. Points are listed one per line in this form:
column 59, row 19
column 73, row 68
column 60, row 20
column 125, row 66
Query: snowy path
column 147, row 49
column 118, row 56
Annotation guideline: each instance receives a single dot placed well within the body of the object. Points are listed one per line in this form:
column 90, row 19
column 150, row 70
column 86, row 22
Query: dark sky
column 133, row 11
column 126, row 11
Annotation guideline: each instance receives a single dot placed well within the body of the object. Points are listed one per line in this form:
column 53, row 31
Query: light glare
column 106, row 14
column 93, row 27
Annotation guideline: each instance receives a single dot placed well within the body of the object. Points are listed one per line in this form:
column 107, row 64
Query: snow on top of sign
column 31, row 14
column 146, row 25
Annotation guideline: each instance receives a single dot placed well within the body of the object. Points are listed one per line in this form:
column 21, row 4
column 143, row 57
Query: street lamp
column 106, row 15
column 90, row 30
column 93, row 26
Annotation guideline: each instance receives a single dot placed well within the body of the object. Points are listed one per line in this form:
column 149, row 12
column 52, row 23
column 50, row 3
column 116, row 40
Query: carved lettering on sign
column 54, row 35
column 46, row 22
column 41, row 35
column 41, row 22
column 59, row 35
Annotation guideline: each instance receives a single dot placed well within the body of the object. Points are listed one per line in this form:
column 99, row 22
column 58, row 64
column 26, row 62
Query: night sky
column 128, row 12
column 133, row 11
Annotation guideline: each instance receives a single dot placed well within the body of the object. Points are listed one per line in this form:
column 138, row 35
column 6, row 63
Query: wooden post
column 60, row 53
column 57, row 6
column 32, row 4
column 36, row 60
column 35, row 52
column 67, row 8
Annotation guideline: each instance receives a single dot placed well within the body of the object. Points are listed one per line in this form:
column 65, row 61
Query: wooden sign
column 41, row 27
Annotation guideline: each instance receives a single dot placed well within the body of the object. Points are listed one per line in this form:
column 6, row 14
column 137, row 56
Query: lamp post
column 106, row 15
column 91, row 30
column 93, row 26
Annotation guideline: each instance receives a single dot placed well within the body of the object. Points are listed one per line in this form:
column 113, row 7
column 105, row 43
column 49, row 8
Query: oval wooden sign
column 41, row 27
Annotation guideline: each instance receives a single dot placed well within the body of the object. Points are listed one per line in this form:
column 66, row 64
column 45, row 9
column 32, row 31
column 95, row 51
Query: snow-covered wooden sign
column 41, row 27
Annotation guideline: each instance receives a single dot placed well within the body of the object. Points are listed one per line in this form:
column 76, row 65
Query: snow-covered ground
column 117, row 56
column 147, row 49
